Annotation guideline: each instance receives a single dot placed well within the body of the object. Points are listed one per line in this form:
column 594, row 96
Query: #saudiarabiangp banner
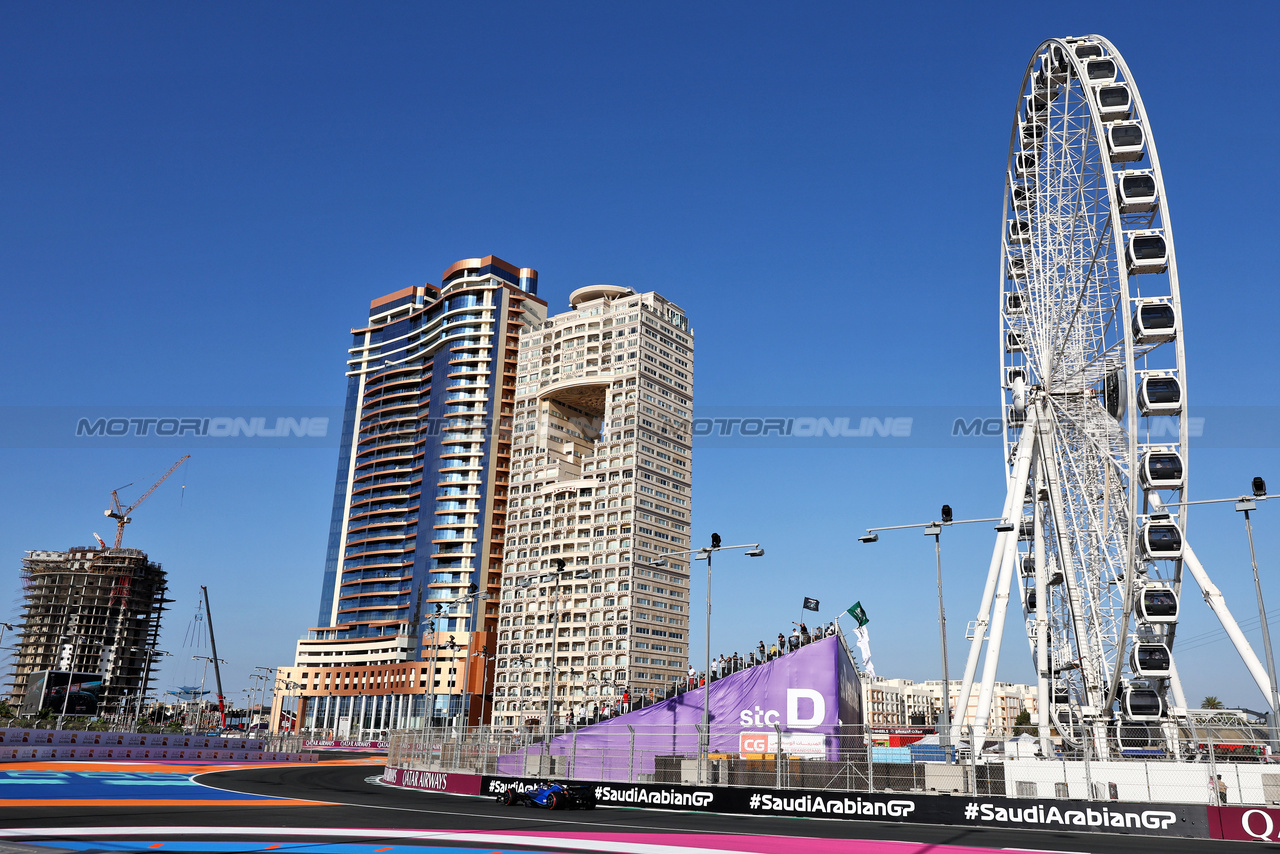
column 1172, row 820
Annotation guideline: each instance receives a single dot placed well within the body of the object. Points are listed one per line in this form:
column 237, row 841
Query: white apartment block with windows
column 902, row 702
column 600, row 479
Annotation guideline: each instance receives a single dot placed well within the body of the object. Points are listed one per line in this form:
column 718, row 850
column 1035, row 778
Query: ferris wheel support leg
column 1043, row 699
column 1213, row 596
column 1175, row 685
column 1011, row 503
column 1022, row 469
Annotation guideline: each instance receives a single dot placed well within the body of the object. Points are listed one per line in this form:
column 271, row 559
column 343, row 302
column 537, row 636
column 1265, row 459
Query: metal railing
column 1192, row 763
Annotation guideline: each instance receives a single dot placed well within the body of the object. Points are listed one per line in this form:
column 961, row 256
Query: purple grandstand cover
column 807, row 695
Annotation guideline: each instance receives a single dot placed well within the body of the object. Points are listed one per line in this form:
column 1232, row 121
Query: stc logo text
column 806, row 709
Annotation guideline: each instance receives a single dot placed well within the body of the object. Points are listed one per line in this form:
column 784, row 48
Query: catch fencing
column 1201, row 765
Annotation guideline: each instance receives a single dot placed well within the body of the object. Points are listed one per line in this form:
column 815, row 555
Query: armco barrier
column 434, row 781
column 1170, row 820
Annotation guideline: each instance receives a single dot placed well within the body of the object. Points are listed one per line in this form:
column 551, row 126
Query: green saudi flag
column 858, row 614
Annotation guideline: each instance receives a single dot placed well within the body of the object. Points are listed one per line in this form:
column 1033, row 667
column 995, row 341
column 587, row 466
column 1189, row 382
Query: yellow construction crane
column 121, row 514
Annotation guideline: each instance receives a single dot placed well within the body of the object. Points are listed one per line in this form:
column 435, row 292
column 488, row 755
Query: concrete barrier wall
column 19, row 753
column 433, row 781
column 63, row 738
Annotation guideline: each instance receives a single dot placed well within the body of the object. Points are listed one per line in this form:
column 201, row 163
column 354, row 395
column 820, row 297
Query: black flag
column 810, row 604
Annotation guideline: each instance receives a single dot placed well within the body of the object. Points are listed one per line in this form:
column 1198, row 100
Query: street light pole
column 1244, row 506
column 484, row 675
column 944, row 719
column 148, row 653
column 704, row 737
column 267, row 673
column 934, row 529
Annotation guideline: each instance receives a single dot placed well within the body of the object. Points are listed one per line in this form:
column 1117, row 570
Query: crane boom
column 121, row 514
column 213, row 650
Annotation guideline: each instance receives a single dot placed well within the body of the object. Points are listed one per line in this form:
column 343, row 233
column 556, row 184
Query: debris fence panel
column 1208, row 766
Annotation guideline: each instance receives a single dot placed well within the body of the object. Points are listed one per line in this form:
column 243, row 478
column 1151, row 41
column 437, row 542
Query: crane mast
column 213, row 648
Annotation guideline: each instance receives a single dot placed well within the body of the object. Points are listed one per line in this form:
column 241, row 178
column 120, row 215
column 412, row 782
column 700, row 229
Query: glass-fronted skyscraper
column 419, row 506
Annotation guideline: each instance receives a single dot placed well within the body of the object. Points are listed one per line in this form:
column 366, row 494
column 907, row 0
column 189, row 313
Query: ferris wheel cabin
column 1142, row 704
column 1043, row 89
column 1013, row 304
column 1017, row 267
column 1032, row 132
column 1154, row 321
column 1150, row 660
column 1020, row 231
column 1159, row 394
column 1161, row 541
column 1146, row 252
column 1136, row 192
column 1023, row 198
column 1024, row 165
column 1161, row 468
column 1158, row 604
column 1100, row 71
column 1088, row 50
column 1114, row 102
column 1125, row 141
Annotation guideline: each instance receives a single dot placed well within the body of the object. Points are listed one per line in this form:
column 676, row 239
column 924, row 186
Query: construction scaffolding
column 91, row 610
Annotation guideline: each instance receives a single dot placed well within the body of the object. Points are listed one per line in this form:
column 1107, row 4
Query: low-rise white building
column 903, row 702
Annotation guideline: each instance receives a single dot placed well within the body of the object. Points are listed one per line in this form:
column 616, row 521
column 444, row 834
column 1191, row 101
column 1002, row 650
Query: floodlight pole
column 1244, row 506
column 934, row 529
column 704, row 737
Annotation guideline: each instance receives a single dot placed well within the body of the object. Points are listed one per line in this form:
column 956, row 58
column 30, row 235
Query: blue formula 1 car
column 552, row 796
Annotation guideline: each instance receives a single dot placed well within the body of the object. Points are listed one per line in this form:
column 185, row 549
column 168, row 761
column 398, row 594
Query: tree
column 1211, row 703
column 1022, row 724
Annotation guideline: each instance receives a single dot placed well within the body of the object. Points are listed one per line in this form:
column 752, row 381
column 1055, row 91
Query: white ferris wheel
column 1094, row 398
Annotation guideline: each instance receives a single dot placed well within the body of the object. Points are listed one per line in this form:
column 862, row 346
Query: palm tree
column 1211, row 703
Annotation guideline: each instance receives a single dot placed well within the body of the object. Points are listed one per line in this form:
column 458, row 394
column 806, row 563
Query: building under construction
column 90, row 611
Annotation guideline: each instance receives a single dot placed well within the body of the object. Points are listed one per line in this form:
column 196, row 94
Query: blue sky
column 199, row 200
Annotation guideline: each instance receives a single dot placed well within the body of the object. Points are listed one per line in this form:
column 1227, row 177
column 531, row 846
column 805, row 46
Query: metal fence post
column 1088, row 772
column 1213, row 766
column 631, row 758
column 973, row 761
column 573, row 755
column 778, row 758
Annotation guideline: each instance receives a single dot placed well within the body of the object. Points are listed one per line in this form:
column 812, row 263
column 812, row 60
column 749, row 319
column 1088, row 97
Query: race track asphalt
column 348, row 796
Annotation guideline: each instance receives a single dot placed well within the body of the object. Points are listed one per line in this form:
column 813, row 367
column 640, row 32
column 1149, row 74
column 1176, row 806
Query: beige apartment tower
column 601, row 481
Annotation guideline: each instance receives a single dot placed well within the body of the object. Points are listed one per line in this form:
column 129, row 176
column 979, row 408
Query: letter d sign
column 794, row 696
